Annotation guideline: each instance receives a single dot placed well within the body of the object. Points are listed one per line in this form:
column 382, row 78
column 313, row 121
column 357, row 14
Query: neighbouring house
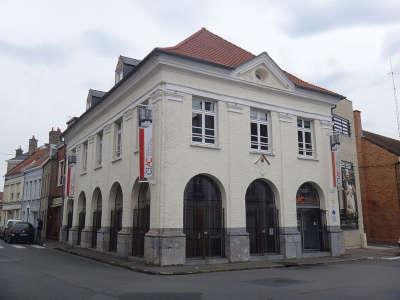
column 13, row 183
column 32, row 170
column 52, row 195
column 204, row 150
column 379, row 165
column 347, row 176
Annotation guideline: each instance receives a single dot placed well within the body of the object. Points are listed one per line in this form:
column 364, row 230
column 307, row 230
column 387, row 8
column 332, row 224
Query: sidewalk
column 138, row 265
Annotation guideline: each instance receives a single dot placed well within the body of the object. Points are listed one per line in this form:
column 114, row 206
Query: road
column 33, row 272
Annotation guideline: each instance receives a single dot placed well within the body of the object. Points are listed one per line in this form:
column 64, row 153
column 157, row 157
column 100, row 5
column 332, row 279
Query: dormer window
column 118, row 76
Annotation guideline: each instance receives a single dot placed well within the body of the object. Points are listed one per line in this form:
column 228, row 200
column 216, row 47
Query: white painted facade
column 169, row 84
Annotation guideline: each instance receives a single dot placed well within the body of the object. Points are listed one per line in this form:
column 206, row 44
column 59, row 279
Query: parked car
column 20, row 232
column 7, row 226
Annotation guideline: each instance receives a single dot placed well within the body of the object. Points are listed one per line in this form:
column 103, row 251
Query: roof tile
column 35, row 160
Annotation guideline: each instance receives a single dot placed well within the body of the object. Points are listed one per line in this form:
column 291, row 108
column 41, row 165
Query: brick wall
column 379, row 189
column 379, row 193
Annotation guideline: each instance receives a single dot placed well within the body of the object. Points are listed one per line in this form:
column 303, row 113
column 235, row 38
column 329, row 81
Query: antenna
column 395, row 98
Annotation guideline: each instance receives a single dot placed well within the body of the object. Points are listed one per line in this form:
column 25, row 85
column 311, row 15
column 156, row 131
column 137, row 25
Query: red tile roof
column 36, row 159
column 206, row 46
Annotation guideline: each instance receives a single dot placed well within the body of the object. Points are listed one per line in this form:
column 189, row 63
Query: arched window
column 307, row 195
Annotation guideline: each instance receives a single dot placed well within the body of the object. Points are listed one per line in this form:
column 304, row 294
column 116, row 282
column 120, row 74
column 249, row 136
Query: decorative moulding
column 174, row 96
column 91, row 139
column 234, row 107
column 326, row 124
column 128, row 114
column 285, row 117
column 107, row 129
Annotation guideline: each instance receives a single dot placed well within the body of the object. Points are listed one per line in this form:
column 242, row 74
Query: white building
column 241, row 160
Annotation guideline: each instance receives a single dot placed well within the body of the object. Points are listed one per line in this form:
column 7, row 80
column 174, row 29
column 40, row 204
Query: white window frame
column 85, row 146
column 303, row 129
column 61, row 173
column 259, row 121
column 203, row 112
column 118, row 139
column 99, row 148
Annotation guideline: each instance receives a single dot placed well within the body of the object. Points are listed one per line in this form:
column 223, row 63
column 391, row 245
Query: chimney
column 18, row 152
column 32, row 145
column 54, row 136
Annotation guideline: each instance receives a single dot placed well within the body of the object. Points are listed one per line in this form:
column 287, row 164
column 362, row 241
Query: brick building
column 379, row 165
column 51, row 200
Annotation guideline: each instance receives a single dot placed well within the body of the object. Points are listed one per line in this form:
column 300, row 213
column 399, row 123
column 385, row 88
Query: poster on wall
column 145, row 144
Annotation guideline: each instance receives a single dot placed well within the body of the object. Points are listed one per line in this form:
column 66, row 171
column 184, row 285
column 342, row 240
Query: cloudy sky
column 52, row 52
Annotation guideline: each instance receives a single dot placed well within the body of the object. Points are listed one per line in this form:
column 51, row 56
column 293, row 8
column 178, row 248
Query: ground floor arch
column 311, row 219
column 70, row 212
column 141, row 217
column 262, row 222
column 116, row 203
column 81, row 215
column 97, row 200
column 203, row 218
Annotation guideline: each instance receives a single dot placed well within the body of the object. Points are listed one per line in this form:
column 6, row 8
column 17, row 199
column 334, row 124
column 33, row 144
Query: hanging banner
column 145, row 144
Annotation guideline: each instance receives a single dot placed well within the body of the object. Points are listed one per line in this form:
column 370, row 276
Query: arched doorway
column 96, row 217
column 81, row 215
column 116, row 215
column 262, row 218
column 311, row 220
column 141, row 219
column 203, row 218
column 70, row 209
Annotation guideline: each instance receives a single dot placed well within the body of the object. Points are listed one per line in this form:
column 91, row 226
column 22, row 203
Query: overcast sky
column 52, row 52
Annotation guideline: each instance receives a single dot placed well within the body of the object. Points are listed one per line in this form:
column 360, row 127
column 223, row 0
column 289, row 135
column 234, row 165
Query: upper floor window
column 99, row 148
column 341, row 125
column 118, row 138
column 259, row 130
column 61, row 173
column 305, row 137
column 84, row 155
column 203, row 121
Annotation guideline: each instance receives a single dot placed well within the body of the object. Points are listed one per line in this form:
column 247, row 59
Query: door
column 96, row 227
column 203, row 218
column 311, row 228
column 81, row 225
column 141, row 220
column 116, row 226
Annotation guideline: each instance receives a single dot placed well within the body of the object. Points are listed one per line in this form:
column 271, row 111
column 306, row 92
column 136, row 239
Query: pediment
column 263, row 70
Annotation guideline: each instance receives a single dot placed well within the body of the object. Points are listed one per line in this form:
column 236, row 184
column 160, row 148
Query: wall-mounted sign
column 145, row 144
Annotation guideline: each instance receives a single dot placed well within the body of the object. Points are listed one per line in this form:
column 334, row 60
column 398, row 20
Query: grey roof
column 129, row 60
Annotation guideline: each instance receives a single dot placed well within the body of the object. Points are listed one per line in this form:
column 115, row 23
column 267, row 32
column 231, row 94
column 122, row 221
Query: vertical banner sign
column 145, row 144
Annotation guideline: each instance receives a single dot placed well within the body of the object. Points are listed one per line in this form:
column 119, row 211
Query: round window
column 260, row 74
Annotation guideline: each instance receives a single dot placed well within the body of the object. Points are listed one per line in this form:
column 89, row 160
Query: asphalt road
column 32, row 272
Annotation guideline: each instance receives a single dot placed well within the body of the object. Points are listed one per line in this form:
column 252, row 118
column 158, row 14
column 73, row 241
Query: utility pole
column 395, row 98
